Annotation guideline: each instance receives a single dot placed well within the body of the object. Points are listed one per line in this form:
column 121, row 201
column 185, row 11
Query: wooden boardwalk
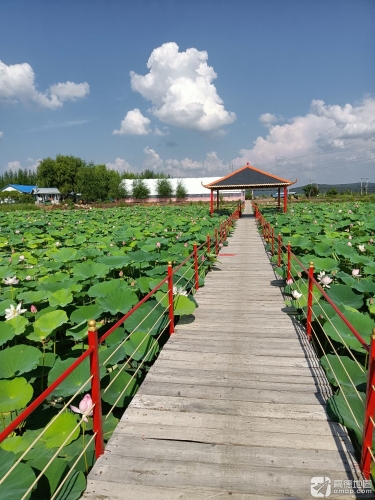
column 234, row 407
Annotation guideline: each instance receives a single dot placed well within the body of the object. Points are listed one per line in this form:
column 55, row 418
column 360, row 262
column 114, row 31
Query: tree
column 332, row 192
column 311, row 190
column 140, row 190
column 164, row 188
column 181, row 191
column 61, row 173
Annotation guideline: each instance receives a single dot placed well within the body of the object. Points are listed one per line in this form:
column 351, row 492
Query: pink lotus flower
column 84, row 407
column 349, row 244
column 158, row 244
column 186, row 244
column 121, row 274
column 324, row 279
column 355, row 272
column 289, row 282
column 33, row 309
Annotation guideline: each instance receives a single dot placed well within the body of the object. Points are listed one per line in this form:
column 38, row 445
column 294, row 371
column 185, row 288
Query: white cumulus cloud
column 1, row 133
column 179, row 86
column 120, row 165
column 327, row 134
column 17, row 84
column 210, row 166
column 14, row 165
column 134, row 123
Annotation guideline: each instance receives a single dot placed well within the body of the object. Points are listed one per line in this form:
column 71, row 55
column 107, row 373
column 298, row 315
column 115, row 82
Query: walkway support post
column 278, row 198
column 95, row 388
column 196, row 269
column 285, row 199
column 288, row 275
column 310, row 300
column 217, row 200
column 170, row 298
column 216, row 243
column 368, row 427
column 212, row 202
column 273, row 241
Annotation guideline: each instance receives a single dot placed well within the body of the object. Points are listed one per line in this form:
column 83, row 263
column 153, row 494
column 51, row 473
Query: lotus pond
column 339, row 240
column 58, row 270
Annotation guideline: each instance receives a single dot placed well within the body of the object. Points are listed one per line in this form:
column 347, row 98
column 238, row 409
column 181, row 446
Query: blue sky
column 287, row 85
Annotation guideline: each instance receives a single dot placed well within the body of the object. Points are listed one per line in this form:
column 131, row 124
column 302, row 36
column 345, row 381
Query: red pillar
column 212, row 202
column 217, row 199
column 285, row 199
column 278, row 198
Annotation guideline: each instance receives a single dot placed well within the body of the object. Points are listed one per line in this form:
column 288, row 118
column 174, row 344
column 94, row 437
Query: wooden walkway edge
column 234, row 407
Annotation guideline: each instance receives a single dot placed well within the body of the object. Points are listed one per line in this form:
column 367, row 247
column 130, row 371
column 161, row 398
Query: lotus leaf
column 61, row 428
column 85, row 313
column 18, row 481
column 141, row 346
column 344, row 371
column 105, row 287
column 61, row 298
column 19, row 324
column 115, row 262
column 184, row 305
column 338, row 331
column 338, row 410
column 87, row 270
column 123, row 388
column 326, row 264
column 64, row 255
column 17, row 360
column 7, row 332
column 78, row 379
column 5, row 304
column 33, row 297
column 14, row 394
column 345, row 295
column 365, row 286
column 118, row 301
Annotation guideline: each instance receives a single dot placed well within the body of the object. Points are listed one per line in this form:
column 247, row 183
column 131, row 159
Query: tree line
column 72, row 176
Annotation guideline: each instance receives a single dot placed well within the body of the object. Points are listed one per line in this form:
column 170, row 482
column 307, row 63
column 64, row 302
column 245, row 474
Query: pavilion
column 249, row 177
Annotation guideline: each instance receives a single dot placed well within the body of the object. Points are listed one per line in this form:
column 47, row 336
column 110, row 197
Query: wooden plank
column 229, row 394
column 244, row 408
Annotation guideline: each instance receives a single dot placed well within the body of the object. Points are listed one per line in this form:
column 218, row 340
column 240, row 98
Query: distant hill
column 353, row 188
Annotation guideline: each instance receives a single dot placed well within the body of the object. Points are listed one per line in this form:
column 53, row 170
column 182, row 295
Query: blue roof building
column 19, row 187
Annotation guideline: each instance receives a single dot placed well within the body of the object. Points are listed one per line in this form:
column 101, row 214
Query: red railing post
column 170, row 298
column 208, row 243
column 368, row 426
column 216, row 243
column 95, row 388
column 288, row 275
column 310, row 300
column 240, row 211
column 196, row 269
column 272, row 241
column 279, row 250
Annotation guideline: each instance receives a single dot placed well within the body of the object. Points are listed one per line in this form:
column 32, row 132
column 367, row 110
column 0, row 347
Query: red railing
column 92, row 352
column 268, row 234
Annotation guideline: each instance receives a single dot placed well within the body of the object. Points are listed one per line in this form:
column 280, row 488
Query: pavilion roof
column 249, row 177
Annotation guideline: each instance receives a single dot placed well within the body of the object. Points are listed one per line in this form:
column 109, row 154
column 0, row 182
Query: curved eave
column 249, row 186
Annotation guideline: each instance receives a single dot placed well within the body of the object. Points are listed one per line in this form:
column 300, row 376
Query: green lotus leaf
column 302, row 242
column 149, row 318
column 7, row 332
column 118, row 301
column 141, row 256
column 115, row 262
column 19, row 324
column 64, row 254
column 14, row 394
column 140, row 346
column 105, row 287
column 61, row 298
column 344, row 250
column 344, row 371
column 18, row 481
column 120, row 392
column 143, row 284
column 86, row 270
column 345, row 295
column 338, row 331
column 33, row 297
column 184, row 305
column 320, row 264
column 364, row 286
column 17, row 360
column 5, row 304
column 109, row 356
column 85, row 313
column 323, row 249
column 61, row 429
column 78, row 379
column 50, row 321
column 338, row 410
